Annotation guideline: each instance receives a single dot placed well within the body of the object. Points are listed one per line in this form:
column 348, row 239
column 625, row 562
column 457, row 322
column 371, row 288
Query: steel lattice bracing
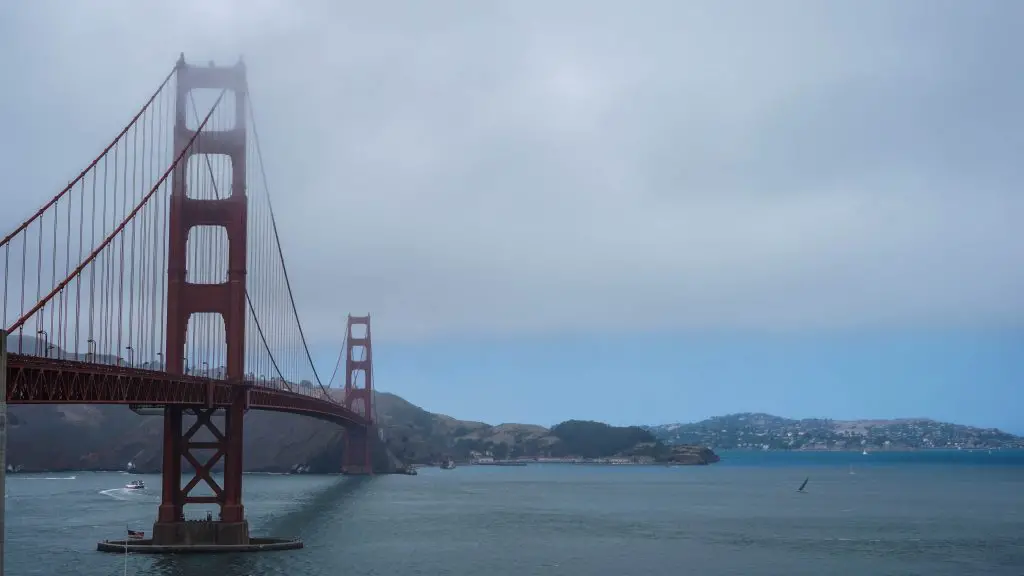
column 156, row 279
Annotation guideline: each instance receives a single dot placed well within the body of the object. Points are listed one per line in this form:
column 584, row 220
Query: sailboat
column 802, row 486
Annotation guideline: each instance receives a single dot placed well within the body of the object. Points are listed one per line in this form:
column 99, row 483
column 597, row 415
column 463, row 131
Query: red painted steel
column 226, row 299
column 35, row 380
column 358, row 398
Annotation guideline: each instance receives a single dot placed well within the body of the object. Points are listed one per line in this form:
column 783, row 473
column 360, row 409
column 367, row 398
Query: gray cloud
column 463, row 167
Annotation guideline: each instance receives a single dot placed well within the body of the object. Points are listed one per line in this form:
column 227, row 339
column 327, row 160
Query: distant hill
column 87, row 437
column 418, row 436
column 765, row 431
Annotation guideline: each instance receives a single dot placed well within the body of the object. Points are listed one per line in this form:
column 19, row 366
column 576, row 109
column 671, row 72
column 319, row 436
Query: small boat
column 447, row 463
column 135, row 485
column 802, row 486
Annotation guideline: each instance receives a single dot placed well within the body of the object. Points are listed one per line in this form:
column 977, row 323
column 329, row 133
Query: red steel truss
column 34, row 380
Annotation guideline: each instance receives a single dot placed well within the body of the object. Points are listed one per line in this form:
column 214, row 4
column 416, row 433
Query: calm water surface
column 928, row 514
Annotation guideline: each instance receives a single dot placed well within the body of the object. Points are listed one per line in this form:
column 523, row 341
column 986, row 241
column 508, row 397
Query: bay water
column 927, row 513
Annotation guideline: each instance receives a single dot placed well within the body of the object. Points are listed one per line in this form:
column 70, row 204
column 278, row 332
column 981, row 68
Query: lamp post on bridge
column 90, row 350
column 131, row 356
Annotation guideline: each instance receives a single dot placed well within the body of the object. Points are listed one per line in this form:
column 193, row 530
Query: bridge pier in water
column 230, row 527
column 357, row 452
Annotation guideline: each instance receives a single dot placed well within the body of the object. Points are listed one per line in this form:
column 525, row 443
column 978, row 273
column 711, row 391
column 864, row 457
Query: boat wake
column 46, row 478
column 122, row 494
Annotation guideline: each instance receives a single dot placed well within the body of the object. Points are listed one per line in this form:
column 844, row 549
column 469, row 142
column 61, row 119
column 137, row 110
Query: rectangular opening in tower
column 200, row 101
column 358, row 352
column 357, row 387
column 358, row 378
column 208, row 176
column 205, row 353
column 358, row 405
column 207, row 255
column 358, row 331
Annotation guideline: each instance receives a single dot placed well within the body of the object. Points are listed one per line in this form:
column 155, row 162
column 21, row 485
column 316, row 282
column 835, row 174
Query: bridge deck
column 35, row 380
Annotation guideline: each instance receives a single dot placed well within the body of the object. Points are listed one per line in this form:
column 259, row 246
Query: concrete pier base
column 148, row 547
column 201, row 532
column 199, row 537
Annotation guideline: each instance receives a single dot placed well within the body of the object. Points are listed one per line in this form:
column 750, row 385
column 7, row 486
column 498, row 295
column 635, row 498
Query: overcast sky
column 485, row 168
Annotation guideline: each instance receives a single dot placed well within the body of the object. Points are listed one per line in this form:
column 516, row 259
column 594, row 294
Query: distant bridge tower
column 358, row 395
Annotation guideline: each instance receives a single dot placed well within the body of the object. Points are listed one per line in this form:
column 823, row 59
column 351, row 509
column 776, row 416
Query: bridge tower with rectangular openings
column 357, row 458
column 227, row 299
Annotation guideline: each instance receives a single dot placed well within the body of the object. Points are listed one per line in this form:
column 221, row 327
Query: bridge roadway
column 35, row 380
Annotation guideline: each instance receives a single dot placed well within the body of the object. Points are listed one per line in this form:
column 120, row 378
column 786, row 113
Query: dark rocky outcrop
column 686, row 454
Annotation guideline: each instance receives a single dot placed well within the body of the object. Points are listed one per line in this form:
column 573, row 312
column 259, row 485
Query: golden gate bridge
column 156, row 279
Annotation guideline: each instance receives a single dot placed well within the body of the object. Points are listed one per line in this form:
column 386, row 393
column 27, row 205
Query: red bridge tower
column 359, row 396
column 226, row 299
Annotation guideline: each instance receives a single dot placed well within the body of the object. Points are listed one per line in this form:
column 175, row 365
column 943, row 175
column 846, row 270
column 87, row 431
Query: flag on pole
column 132, row 535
